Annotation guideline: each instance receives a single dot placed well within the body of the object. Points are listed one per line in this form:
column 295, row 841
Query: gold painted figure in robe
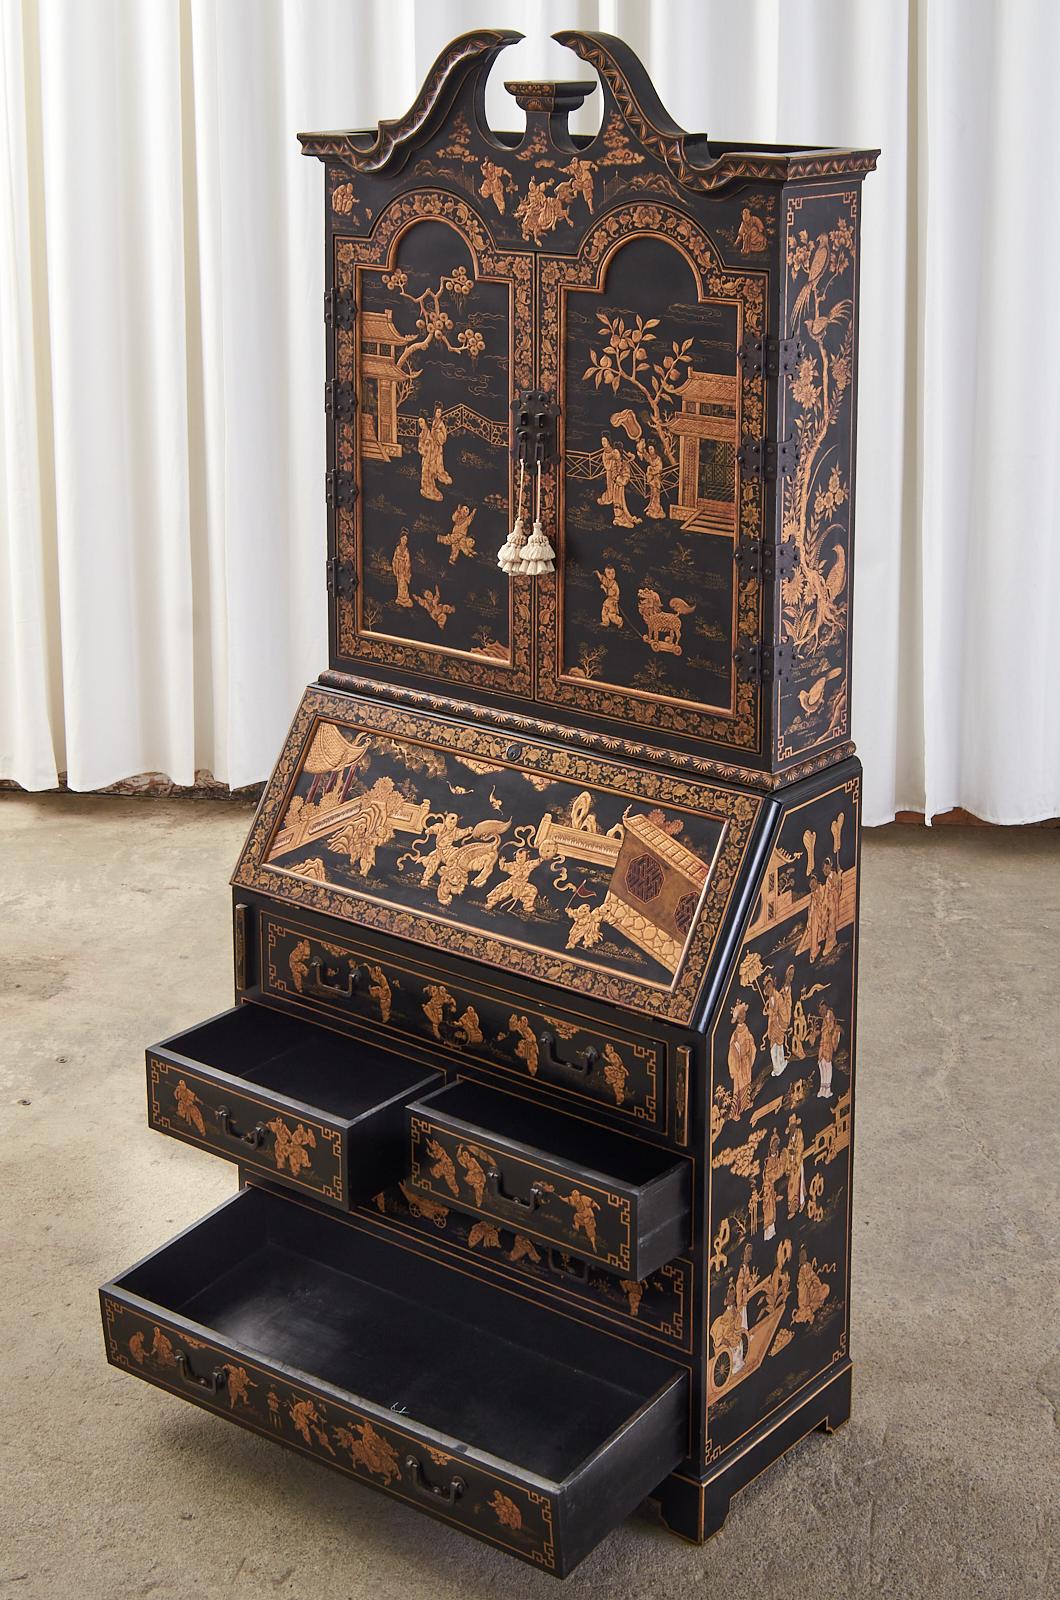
column 431, row 446
column 726, row 1331
column 617, row 473
column 794, row 1166
column 401, row 567
column 778, row 1004
column 741, row 1061
column 827, row 1045
column 653, row 477
column 772, row 1172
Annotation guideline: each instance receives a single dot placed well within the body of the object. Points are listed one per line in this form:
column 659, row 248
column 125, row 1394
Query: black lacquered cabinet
column 539, row 1076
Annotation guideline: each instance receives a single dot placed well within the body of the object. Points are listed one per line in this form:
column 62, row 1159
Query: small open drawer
column 510, row 1422
column 619, row 1202
column 313, row 1109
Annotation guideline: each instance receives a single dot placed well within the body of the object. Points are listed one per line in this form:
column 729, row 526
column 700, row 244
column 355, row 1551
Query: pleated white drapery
column 161, row 358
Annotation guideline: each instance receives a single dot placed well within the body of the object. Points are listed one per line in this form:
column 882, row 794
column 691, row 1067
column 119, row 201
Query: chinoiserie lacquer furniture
column 539, row 1076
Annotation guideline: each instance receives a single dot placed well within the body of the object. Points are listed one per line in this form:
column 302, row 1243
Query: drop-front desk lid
column 618, row 883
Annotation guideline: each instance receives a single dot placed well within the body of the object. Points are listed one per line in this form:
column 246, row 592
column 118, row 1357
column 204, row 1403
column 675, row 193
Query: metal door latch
column 534, row 417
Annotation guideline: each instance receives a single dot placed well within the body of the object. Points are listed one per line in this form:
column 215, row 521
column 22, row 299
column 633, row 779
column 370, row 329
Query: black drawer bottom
column 523, row 1428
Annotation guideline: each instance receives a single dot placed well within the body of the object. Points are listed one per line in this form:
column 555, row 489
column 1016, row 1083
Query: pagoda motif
column 381, row 380
column 707, row 431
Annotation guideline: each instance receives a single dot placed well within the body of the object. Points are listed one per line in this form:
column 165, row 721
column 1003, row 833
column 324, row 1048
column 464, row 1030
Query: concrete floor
column 115, row 930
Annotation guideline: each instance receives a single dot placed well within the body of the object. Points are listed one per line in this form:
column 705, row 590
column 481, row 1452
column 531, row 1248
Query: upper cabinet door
column 642, row 333
column 686, row 310
column 434, row 339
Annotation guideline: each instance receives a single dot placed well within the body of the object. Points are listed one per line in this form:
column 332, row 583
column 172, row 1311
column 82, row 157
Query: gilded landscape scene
column 780, row 1123
column 433, row 431
column 592, row 876
column 652, row 432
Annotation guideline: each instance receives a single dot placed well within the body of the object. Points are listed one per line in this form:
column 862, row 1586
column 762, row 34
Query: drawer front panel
column 541, row 1200
column 566, row 1053
column 659, row 1307
column 300, row 1151
column 398, row 1460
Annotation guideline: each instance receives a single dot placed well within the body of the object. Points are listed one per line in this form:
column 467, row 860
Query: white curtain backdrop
column 162, row 358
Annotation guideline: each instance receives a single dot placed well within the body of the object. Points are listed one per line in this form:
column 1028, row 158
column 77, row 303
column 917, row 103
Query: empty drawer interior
column 287, row 1056
column 289, row 1285
column 567, row 1138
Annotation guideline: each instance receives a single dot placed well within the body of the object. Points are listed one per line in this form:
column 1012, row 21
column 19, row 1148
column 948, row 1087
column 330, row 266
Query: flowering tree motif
column 434, row 325
column 590, row 660
column 814, row 596
column 625, row 359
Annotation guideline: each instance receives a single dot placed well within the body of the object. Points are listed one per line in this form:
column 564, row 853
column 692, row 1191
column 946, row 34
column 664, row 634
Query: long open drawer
column 528, row 1430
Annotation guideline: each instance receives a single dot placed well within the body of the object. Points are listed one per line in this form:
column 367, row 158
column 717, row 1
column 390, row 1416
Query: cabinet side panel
column 817, row 416
column 781, row 1085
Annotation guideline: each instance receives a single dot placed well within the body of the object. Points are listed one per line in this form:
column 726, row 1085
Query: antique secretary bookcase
column 539, row 1076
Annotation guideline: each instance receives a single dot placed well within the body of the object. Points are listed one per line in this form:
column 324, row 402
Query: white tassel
column 538, row 555
column 510, row 554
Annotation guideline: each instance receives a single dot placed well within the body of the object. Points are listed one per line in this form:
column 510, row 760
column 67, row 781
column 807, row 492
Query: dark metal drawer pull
column 531, row 1203
column 213, row 1383
column 316, row 982
column 581, row 1067
column 255, row 1138
column 428, row 1490
column 566, row 1266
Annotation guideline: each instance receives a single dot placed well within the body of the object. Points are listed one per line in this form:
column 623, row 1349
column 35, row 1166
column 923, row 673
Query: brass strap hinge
column 770, row 560
column 768, row 458
column 341, row 488
column 774, row 665
column 340, row 400
column 781, row 559
column 340, row 307
column 342, row 578
column 766, row 353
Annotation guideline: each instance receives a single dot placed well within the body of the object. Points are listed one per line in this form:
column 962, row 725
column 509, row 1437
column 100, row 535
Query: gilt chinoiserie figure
column 540, row 1074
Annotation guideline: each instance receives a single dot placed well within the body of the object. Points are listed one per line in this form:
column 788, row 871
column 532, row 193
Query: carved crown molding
column 628, row 91
column 471, row 55
column 687, row 156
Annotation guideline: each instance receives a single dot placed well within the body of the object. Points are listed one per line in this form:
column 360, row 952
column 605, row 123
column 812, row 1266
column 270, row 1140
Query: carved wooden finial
column 548, row 105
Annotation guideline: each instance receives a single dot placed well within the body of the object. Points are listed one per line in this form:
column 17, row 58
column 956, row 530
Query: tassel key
column 539, row 558
column 510, row 554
